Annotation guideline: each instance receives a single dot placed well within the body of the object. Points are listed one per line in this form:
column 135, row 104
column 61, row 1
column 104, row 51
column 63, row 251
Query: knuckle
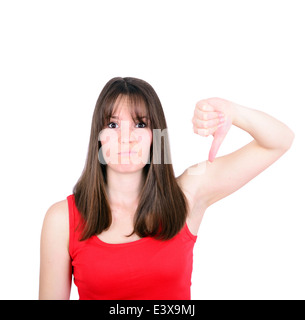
column 204, row 132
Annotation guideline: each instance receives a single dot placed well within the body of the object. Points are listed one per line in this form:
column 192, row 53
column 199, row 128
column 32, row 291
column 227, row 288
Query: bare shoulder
column 58, row 211
column 56, row 221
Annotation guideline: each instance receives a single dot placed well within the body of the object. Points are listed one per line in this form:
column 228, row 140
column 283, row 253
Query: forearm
column 269, row 132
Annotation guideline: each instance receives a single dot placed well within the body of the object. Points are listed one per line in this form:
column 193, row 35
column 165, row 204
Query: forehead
column 129, row 106
column 122, row 107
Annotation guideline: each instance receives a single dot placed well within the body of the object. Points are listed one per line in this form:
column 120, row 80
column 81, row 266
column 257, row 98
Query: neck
column 124, row 188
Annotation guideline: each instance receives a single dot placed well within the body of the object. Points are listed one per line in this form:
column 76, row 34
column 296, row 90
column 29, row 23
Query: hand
column 213, row 116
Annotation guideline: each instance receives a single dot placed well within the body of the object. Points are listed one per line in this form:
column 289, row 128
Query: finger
column 205, row 132
column 205, row 107
column 204, row 115
column 217, row 141
column 205, row 124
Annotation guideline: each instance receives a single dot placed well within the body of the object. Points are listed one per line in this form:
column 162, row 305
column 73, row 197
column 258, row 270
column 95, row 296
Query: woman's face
column 125, row 143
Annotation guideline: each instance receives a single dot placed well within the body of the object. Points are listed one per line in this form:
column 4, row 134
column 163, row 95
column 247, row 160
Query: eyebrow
column 116, row 117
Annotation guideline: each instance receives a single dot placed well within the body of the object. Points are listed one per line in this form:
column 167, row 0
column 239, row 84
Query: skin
column 203, row 184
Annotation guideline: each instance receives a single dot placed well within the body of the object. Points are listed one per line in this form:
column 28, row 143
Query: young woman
column 129, row 228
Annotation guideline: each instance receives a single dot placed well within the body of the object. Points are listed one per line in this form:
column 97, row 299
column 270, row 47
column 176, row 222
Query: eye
column 142, row 125
column 112, row 125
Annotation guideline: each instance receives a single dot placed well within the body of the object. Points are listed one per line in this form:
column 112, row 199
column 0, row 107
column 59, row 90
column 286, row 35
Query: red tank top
column 145, row 269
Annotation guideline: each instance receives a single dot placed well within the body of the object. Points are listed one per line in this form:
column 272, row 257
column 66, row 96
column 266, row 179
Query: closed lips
column 128, row 152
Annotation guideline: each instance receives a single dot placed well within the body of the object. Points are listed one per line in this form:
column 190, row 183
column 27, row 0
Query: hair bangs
column 137, row 105
column 139, row 109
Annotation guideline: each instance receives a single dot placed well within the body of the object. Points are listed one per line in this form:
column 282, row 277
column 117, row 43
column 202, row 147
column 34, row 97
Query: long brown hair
column 162, row 207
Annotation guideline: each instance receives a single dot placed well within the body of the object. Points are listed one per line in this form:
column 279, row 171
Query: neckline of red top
column 139, row 241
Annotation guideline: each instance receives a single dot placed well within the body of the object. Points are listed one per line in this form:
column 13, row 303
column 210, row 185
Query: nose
column 126, row 134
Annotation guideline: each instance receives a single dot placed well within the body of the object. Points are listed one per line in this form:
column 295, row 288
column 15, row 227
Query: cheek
column 109, row 141
column 143, row 138
column 108, row 136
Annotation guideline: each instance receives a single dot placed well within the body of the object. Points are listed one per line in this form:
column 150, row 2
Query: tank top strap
column 74, row 225
column 188, row 233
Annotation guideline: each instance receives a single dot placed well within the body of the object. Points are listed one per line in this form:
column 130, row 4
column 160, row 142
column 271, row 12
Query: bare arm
column 268, row 132
column 223, row 175
column 55, row 263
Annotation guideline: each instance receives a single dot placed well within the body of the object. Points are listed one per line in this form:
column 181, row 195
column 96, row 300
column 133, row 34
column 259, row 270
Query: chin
column 126, row 168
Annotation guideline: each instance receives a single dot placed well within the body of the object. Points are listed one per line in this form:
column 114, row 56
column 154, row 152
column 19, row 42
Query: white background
column 56, row 56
